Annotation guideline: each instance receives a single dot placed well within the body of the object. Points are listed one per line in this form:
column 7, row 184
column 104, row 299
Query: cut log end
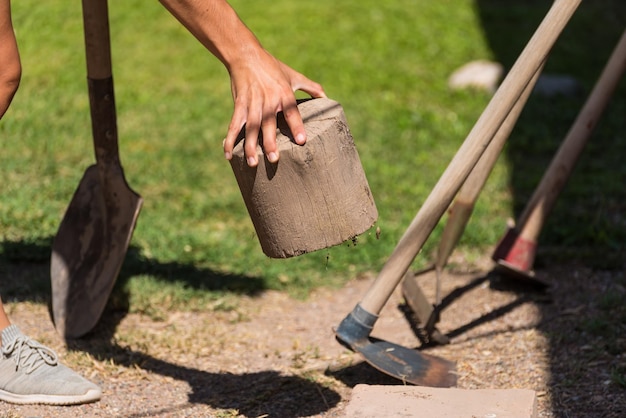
column 317, row 195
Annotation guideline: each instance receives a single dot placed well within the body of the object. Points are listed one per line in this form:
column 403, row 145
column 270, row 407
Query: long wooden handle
column 97, row 39
column 468, row 154
column 554, row 179
column 476, row 180
column 100, row 82
column 463, row 205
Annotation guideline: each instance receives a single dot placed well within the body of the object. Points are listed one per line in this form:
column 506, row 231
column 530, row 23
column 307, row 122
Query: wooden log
column 317, row 195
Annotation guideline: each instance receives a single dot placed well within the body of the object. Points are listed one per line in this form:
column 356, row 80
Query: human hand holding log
column 317, row 195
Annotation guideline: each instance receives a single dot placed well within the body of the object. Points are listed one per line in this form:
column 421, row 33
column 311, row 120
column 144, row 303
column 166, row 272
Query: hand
column 262, row 86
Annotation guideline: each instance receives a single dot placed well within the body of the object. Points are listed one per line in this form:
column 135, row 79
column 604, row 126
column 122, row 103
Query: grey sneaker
column 30, row 373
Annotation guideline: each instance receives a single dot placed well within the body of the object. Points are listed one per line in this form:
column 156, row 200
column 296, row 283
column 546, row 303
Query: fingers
column 302, row 83
column 236, row 124
column 291, row 112
column 259, row 97
column 249, row 146
column 311, row 88
column 269, row 138
column 259, row 123
column 262, row 124
column 294, row 121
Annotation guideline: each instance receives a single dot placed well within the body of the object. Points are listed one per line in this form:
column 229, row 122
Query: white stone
column 481, row 74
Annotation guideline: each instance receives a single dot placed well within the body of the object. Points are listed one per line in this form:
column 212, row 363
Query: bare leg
column 4, row 320
column 9, row 79
column 10, row 70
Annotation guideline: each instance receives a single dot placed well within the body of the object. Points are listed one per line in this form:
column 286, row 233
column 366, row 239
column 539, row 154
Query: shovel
column 515, row 253
column 354, row 331
column 92, row 240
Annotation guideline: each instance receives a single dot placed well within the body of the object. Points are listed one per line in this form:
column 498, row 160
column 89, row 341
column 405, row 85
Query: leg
column 4, row 320
column 10, row 70
column 30, row 372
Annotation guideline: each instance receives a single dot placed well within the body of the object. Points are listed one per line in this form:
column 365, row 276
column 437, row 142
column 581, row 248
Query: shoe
column 31, row 374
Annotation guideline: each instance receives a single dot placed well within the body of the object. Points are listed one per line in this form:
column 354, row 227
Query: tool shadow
column 526, row 292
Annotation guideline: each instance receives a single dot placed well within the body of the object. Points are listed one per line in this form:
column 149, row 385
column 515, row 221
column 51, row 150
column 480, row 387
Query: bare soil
column 273, row 356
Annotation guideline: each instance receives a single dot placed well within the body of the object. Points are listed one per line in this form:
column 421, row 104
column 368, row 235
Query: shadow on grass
column 25, row 275
column 34, row 257
column 197, row 278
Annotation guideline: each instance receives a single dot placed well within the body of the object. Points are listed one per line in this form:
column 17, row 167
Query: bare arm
column 261, row 85
column 10, row 68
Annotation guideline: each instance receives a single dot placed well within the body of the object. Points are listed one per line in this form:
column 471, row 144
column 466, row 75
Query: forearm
column 7, row 91
column 216, row 25
column 261, row 85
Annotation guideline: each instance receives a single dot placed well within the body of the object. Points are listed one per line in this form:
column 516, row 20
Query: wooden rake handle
column 463, row 205
column 543, row 199
column 468, row 154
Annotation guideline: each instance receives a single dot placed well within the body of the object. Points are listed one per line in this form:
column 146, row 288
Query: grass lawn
column 387, row 63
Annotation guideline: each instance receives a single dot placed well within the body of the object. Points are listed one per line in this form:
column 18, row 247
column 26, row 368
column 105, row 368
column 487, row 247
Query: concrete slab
column 371, row 401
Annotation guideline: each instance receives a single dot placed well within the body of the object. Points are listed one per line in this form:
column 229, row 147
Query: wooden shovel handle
column 463, row 206
column 468, row 154
column 480, row 173
column 100, row 82
column 554, row 179
column 97, row 39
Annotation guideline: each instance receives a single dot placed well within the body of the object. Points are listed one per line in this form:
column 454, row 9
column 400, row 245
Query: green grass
column 386, row 62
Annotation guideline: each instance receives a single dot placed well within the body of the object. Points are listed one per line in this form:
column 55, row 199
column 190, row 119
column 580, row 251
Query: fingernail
column 228, row 155
column 272, row 157
column 251, row 161
column 300, row 138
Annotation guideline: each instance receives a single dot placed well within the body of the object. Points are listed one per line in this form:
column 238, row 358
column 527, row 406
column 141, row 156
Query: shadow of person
column 251, row 394
column 25, row 272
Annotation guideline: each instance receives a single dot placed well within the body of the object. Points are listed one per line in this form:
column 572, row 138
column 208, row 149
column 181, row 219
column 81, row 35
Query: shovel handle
column 100, row 82
column 463, row 206
column 480, row 173
column 97, row 39
column 527, row 64
column 543, row 199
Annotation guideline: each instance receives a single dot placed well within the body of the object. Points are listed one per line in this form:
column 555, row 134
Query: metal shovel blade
column 89, row 248
column 409, row 366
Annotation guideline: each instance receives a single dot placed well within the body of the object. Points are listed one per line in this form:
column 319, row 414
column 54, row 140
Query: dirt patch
column 272, row 356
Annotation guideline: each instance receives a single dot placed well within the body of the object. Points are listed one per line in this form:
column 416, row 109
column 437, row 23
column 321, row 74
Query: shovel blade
column 410, row 366
column 525, row 276
column 89, row 248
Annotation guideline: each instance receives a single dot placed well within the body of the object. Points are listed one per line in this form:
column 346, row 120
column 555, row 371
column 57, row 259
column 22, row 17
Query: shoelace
column 30, row 354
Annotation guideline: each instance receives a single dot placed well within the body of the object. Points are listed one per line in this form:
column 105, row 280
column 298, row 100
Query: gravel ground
column 272, row 356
